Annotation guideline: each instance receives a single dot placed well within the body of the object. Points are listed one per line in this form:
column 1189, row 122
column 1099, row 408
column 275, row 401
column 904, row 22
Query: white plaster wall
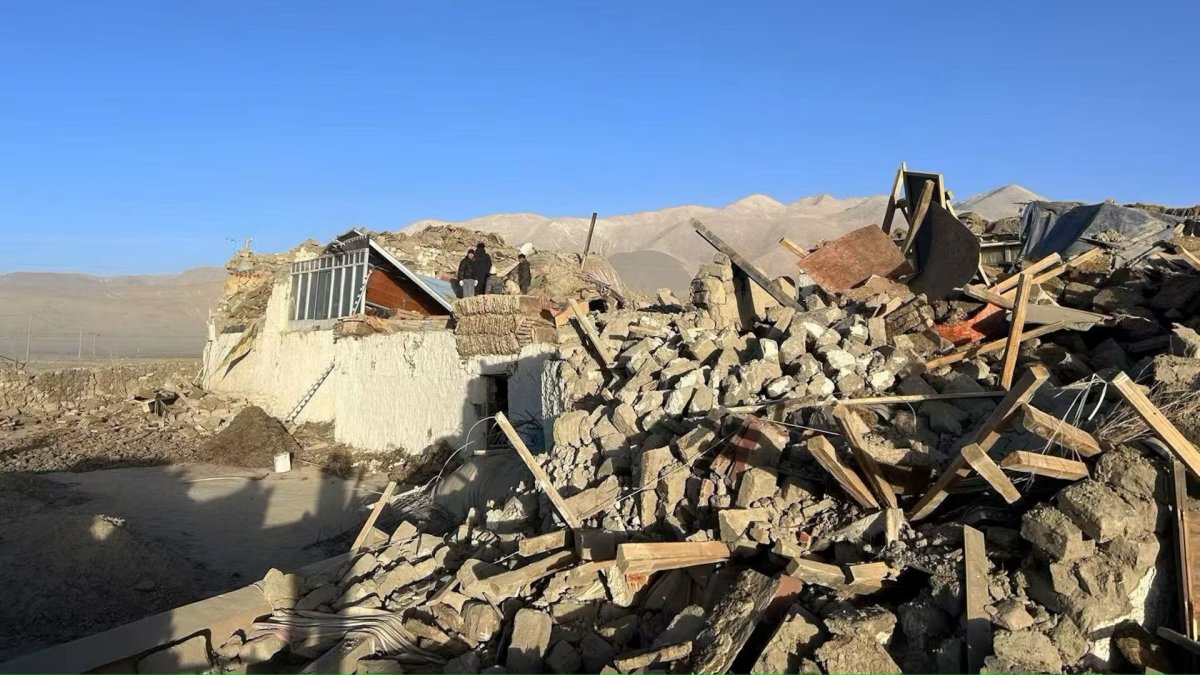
column 408, row 390
column 405, row 390
column 281, row 366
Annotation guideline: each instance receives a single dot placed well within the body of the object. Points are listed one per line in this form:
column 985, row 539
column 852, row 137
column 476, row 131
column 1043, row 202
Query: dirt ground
column 84, row 552
column 46, row 447
column 70, row 574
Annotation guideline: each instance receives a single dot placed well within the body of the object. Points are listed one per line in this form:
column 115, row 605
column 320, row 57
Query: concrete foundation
column 407, row 391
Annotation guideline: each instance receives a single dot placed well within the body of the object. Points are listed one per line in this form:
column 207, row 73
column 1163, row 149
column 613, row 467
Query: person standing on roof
column 524, row 276
column 464, row 280
column 483, row 268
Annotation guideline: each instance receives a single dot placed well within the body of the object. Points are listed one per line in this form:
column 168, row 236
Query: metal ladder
column 307, row 396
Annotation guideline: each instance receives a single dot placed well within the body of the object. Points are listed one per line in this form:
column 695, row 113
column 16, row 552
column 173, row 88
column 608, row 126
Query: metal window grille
column 328, row 287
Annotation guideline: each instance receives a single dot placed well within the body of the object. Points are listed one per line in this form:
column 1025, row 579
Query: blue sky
column 143, row 137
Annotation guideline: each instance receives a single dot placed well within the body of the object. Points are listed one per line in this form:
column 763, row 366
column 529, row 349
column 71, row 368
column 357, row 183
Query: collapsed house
column 873, row 466
column 355, row 337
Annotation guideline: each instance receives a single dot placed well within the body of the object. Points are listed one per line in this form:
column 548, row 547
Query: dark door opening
column 496, row 400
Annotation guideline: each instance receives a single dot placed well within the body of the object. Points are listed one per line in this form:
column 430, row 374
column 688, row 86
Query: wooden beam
column 508, row 584
column 1184, row 549
column 918, row 398
column 589, row 330
column 361, row 539
column 796, row 249
column 1189, row 645
column 756, row 275
column 918, row 217
column 978, row 623
column 850, row 424
column 1013, row 347
column 985, row 467
column 1053, row 430
column 1188, row 256
column 1011, row 281
column 539, row 474
column 1179, row 445
column 893, row 203
column 642, row 660
column 1023, row 461
column 657, row 557
column 1066, row 265
column 989, row 347
column 587, row 247
column 551, row 541
column 808, row 402
column 822, row 450
column 985, row 436
column 731, row 622
column 808, row 570
column 984, row 294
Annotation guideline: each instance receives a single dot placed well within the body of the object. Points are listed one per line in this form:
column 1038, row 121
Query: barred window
column 328, row 287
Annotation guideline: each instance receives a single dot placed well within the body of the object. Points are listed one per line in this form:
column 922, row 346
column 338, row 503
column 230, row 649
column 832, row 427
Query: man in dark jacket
column 524, row 277
column 483, row 268
column 466, row 272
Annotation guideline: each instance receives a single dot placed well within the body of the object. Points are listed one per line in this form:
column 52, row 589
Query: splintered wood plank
column 551, row 541
column 979, row 625
column 1013, row 347
column 731, row 622
column 589, row 330
column 756, row 275
column 539, row 474
column 992, row 346
column 822, row 450
column 361, row 539
column 1158, row 423
column 1053, row 430
column 985, row 436
column 984, row 466
column 657, row 557
column 1023, row 461
column 851, row 426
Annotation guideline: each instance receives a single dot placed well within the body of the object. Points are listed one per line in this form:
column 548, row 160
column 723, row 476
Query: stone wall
column 54, row 390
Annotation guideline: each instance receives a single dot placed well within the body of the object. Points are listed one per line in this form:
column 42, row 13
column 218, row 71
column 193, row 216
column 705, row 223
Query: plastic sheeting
column 1063, row 227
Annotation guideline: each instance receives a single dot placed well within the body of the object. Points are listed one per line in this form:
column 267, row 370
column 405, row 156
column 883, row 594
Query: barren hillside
column 150, row 315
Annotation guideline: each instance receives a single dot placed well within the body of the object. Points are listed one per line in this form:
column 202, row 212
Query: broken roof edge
column 425, row 283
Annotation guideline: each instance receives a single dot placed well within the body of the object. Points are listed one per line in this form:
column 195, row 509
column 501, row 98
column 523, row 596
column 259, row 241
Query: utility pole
column 94, row 344
column 28, row 337
column 80, row 344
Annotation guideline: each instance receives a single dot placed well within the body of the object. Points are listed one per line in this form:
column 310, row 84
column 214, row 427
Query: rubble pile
column 795, row 487
column 437, row 250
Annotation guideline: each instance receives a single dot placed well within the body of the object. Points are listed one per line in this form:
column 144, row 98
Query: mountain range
column 165, row 315
column 653, row 249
